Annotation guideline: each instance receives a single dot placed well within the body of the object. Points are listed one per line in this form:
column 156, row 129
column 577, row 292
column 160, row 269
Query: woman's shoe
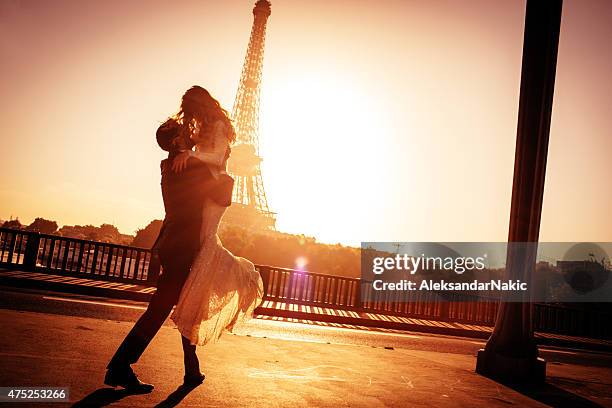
column 192, row 380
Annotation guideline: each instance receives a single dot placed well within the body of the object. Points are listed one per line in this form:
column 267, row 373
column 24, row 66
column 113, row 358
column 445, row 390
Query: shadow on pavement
column 103, row 397
column 554, row 396
column 176, row 396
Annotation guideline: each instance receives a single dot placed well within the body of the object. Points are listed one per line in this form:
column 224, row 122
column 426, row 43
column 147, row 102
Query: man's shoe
column 193, row 380
column 126, row 378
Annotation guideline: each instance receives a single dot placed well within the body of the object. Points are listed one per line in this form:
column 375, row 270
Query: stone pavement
column 54, row 350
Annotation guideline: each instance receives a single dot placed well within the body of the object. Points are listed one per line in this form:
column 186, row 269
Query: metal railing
column 31, row 251
column 35, row 252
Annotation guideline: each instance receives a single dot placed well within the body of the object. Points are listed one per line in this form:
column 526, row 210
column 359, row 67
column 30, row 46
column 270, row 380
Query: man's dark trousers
column 177, row 245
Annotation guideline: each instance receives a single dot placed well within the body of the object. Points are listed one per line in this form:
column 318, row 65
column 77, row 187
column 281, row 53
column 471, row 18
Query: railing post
column 11, row 247
column 357, row 294
column 265, row 277
column 444, row 308
column 585, row 330
column 31, row 252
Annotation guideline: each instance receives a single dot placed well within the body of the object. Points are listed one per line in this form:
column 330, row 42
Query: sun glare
column 323, row 136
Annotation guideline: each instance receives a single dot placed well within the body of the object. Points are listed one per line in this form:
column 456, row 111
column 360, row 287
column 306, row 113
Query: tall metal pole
column 511, row 353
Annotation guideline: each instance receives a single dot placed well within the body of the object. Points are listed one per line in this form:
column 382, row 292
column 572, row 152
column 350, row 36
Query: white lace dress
column 222, row 289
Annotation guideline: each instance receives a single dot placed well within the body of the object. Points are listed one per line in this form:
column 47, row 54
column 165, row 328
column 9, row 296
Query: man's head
column 170, row 138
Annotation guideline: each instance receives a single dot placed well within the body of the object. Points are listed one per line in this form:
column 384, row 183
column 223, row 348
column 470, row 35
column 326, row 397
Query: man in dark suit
column 177, row 245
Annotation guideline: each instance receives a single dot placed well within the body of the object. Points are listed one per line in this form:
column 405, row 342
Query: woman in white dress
column 222, row 289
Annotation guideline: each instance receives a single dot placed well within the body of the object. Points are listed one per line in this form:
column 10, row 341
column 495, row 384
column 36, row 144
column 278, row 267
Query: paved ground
column 304, row 366
column 281, row 328
column 13, row 280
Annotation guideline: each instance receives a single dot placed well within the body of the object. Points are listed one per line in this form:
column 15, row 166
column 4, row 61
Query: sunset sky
column 380, row 120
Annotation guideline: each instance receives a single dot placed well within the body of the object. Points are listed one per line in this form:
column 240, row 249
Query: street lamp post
column 511, row 353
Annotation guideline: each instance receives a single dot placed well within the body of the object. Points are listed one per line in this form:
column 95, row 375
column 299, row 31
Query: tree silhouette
column 287, row 250
column 103, row 233
column 275, row 249
column 43, row 226
column 145, row 237
column 15, row 224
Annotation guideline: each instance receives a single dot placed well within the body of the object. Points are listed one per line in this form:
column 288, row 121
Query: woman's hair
column 198, row 107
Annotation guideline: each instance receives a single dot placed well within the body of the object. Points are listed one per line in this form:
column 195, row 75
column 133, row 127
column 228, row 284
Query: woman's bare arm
column 214, row 156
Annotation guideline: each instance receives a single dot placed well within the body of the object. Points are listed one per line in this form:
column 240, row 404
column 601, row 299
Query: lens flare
column 300, row 263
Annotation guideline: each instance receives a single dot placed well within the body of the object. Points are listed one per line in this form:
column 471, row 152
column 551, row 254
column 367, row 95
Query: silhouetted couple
column 211, row 288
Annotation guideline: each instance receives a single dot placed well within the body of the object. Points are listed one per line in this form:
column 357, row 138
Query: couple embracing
column 211, row 288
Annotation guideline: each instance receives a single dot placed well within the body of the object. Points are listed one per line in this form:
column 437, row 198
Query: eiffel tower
column 249, row 203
